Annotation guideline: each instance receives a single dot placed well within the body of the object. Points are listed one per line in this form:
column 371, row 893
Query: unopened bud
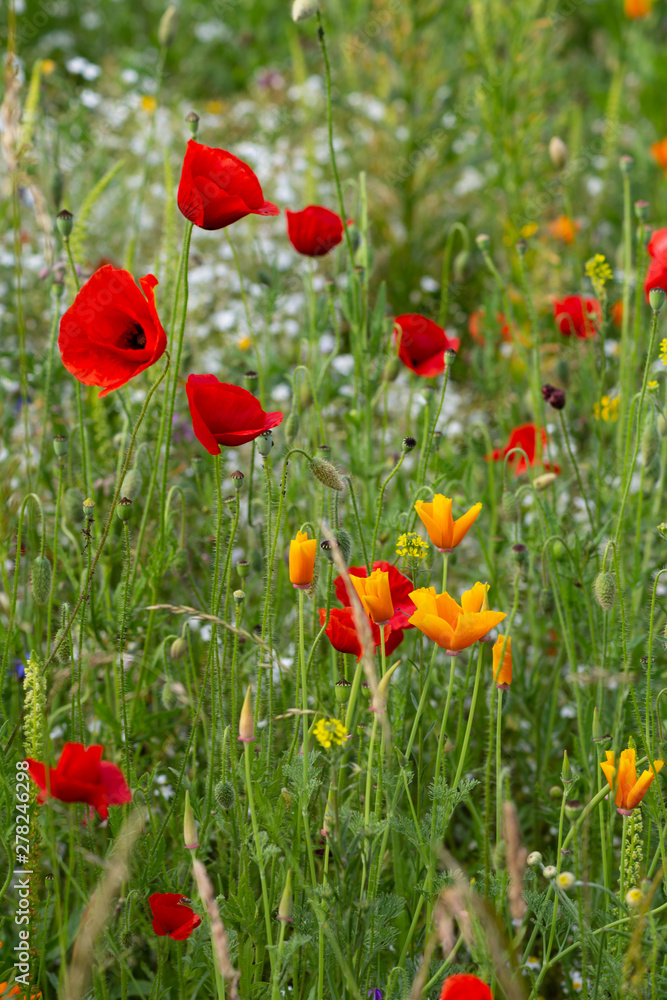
column 286, row 908
column 189, row 826
column 224, row 794
column 549, row 872
column 344, row 539
column 166, row 32
column 327, row 473
column 391, row 369
column 534, row 859
column 132, row 484
column 566, row 770
column 558, row 152
column 89, row 509
column 546, row 602
column 247, row 722
column 40, row 579
column 604, row 590
column 510, row 505
column 303, row 9
column 179, row 648
column 291, row 428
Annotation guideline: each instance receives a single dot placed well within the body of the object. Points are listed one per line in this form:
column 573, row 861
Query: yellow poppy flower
column 375, row 595
column 443, row 530
column 302, row 551
column 630, row 790
column 449, row 625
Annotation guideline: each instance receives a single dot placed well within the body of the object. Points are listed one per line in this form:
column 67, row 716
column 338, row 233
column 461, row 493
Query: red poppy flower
column 314, row 231
column 656, row 275
column 399, row 586
column 465, row 987
column 422, row 344
column 112, row 331
column 171, row 917
column 342, row 633
column 217, row 188
column 578, row 315
column 476, row 322
column 82, row 776
column 524, row 437
column 225, row 414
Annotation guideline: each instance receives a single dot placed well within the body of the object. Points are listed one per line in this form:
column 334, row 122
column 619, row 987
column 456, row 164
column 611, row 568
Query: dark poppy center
column 135, row 338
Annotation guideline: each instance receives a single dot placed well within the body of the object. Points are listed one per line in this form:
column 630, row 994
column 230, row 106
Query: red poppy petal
column 465, row 987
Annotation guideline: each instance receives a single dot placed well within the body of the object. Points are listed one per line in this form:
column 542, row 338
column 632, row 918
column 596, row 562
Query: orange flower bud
column 302, row 550
column 502, row 662
column 247, row 722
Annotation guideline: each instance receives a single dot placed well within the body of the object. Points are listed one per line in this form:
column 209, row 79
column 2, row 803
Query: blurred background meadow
column 444, row 116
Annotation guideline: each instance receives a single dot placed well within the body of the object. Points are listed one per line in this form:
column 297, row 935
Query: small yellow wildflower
column 48, row 66
column 606, row 409
column 411, row 546
column 599, row 271
column 214, row 107
column 330, row 732
column 663, row 351
column 529, row 230
column 148, row 103
column 652, row 384
column 244, row 343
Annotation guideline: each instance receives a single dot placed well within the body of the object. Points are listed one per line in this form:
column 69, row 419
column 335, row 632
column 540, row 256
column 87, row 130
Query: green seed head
column 224, row 794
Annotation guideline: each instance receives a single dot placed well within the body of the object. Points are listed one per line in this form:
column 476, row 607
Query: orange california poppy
column 449, row 624
column 443, row 530
column 636, row 8
column 502, row 663
column 302, row 550
column 375, row 595
column 630, row 790
column 659, row 151
column 563, row 228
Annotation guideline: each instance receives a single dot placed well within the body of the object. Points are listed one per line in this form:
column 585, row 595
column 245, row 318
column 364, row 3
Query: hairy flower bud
column 344, row 539
column 326, row 473
column 534, row 859
column 510, row 505
column 189, row 826
column 224, row 794
column 179, row 648
column 546, row 602
column 604, row 590
column 40, row 579
column 132, row 484
column 291, row 428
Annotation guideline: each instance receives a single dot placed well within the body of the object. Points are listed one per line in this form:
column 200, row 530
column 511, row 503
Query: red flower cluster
column 341, row 630
column 217, row 189
column 81, row 776
column 225, row 414
column 112, row 331
column 578, row 315
column 422, row 344
column 170, row 917
column 314, row 231
column 656, row 275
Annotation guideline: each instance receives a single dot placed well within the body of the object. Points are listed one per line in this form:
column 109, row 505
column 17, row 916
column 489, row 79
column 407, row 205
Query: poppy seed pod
column 641, row 211
column 408, row 444
column 342, row 690
column 224, row 794
column 192, row 119
column 572, row 808
column 65, row 223
column 237, row 478
column 483, row 241
column 124, row 509
column 291, row 428
column 242, row 568
column 239, row 597
column 40, row 579
column 286, row 908
column 656, row 298
column 60, row 445
column 327, row 473
column 626, row 164
column 604, row 590
column 265, row 443
column 558, row 153
column 510, row 505
column 520, row 555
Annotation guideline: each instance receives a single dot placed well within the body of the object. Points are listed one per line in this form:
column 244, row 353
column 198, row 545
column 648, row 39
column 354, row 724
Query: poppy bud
column 566, row 770
column 553, row 396
column 511, row 506
column 558, row 152
column 344, row 539
column 656, row 298
column 303, row 9
column 224, row 794
column 342, row 690
column 329, row 812
column 63, row 655
column 391, row 369
column 604, row 590
column 65, row 223
column 60, row 445
column 286, row 797
column 247, row 722
column 408, row 444
column 189, row 826
column 549, row 872
column 124, row 509
column 286, row 908
column 544, row 481
column 192, row 120
column 326, row 473
column 265, row 443
column 328, row 547
column 460, row 265
column 291, row 428
column 534, row 859
column 166, row 32
column 237, row 478
column 641, row 210
column 242, row 568
column 380, row 701
column 89, row 509
column 546, row 602
column 555, row 792
column 132, row 484
column 179, row 648
column 626, row 164
column 40, row 579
